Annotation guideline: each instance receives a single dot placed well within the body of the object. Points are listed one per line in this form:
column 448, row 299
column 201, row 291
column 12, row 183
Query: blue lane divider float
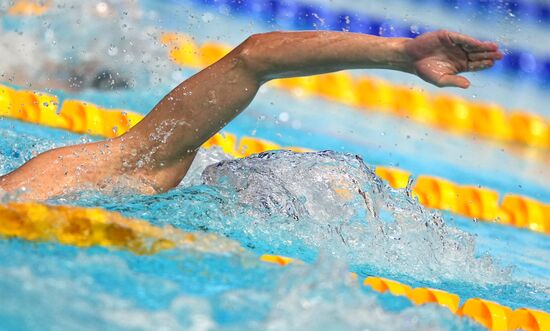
column 297, row 15
column 527, row 10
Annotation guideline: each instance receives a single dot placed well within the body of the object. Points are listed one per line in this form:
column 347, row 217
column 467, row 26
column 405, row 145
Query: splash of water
column 335, row 203
column 203, row 159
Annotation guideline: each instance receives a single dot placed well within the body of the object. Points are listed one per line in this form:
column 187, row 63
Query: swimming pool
column 302, row 206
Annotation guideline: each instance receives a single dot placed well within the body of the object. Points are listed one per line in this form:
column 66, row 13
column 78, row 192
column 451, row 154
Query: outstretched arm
column 162, row 146
column 206, row 102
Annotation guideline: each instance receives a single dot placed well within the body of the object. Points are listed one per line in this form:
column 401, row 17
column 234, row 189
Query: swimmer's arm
column 436, row 56
column 199, row 107
column 160, row 149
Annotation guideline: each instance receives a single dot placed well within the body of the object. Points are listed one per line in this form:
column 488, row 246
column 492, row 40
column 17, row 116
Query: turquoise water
column 280, row 203
column 269, row 205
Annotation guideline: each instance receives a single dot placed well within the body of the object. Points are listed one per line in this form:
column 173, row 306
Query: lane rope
column 29, row 8
column 86, row 227
column 488, row 313
column 304, row 15
column 534, row 12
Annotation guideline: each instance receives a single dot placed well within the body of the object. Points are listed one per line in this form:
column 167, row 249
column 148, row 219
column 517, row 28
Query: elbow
column 251, row 53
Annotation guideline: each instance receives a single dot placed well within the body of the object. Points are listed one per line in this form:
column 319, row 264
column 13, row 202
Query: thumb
column 453, row 80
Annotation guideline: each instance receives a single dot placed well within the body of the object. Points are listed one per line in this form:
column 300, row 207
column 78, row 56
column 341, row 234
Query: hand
column 438, row 57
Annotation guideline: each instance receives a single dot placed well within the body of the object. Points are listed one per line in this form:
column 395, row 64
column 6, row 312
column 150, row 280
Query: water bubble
column 113, row 50
column 102, row 8
column 284, row 117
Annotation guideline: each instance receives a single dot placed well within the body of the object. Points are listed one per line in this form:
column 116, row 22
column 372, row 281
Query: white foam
column 334, row 203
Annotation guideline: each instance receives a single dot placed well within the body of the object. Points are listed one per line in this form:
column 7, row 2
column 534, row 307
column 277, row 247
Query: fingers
column 478, row 56
column 470, row 44
column 464, row 40
column 487, row 46
column 454, row 81
column 480, row 65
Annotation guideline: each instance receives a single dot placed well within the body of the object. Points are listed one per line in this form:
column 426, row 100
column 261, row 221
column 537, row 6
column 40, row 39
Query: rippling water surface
column 319, row 207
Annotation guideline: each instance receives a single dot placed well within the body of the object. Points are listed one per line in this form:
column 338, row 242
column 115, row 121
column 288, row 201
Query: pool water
column 326, row 208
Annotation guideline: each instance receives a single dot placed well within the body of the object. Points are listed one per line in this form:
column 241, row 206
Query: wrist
column 400, row 58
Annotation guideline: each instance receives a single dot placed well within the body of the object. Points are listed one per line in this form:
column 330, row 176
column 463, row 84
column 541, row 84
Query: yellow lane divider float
column 29, row 8
column 469, row 201
column 490, row 314
column 472, row 201
column 447, row 112
column 86, row 227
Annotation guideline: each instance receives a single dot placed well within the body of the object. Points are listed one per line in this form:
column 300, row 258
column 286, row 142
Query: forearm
column 289, row 54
